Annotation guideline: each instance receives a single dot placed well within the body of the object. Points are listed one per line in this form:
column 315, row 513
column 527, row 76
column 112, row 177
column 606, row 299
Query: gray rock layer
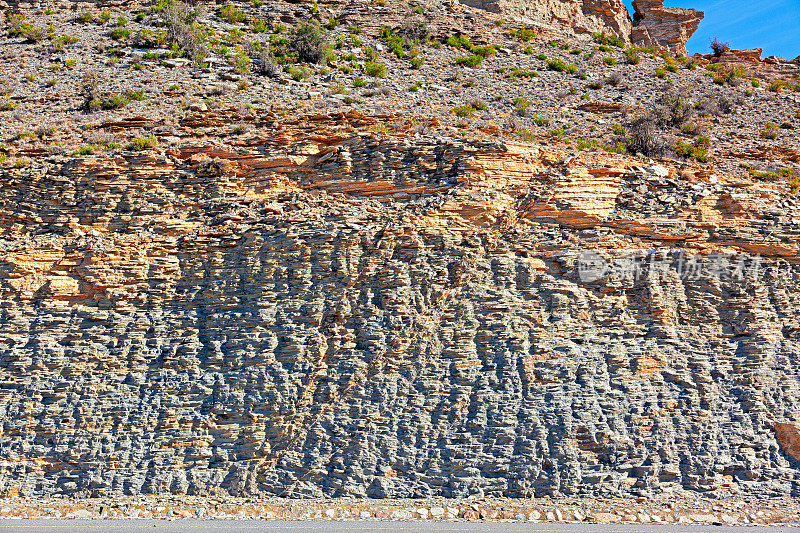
column 328, row 345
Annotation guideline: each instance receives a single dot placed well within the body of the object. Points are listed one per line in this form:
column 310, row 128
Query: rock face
column 335, row 312
column 664, row 27
column 653, row 24
column 579, row 16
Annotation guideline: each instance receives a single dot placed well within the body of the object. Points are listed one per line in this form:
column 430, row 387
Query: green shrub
column 473, row 61
column 359, row 82
column 119, row 34
column 230, row 14
column 698, row 150
column 310, row 42
column 259, row 26
column 610, row 61
column 602, row 38
column 135, row 96
column 557, row 65
column 463, row 110
column 416, row 63
column 460, row 42
column 375, row 69
column 109, row 101
column 86, row 17
column 142, row 143
column 484, row 51
column 522, row 104
column 770, row 131
column 660, row 73
column 541, row 57
column 524, row 34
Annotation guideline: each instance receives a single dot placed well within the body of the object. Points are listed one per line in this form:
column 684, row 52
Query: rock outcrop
column 653, row 25
column 437, row 280
column 664, row 27
column 331, row 312
column 578, row 16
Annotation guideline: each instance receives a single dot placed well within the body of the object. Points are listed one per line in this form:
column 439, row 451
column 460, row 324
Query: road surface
column 292, row 526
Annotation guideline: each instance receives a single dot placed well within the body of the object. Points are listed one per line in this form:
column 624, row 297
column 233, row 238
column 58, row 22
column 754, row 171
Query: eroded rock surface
column 579, row 16
column 664, row 27
column 328, row 312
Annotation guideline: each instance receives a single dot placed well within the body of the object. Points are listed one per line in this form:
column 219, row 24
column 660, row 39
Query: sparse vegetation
column 604, row 39
column 142, row 143
column 375, row 69
column 463, row 110
column 770, row 131
column 719, row 47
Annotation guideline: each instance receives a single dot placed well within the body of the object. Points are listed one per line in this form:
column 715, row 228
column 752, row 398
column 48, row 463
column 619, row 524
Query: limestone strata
column 580, row 16
column 323, row 310
column 664, row 27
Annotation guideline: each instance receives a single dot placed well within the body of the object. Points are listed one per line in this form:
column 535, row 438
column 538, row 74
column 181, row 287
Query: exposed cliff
column 653, row 25
column 332, row 283
column 664, row 27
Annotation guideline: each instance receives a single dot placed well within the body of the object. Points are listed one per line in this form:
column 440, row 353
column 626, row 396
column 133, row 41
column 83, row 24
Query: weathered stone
column 663, row 27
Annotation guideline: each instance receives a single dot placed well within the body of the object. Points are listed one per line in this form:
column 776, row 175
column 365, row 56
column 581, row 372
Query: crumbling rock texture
column 664, row 27
column 331, row 311
column 578, row 16
column 653, row 25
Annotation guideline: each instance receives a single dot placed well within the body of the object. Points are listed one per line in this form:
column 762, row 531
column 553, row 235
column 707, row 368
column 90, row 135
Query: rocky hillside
column 397, row 250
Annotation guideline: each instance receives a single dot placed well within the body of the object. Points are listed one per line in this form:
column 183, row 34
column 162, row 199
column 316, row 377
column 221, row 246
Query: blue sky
column 773, row 25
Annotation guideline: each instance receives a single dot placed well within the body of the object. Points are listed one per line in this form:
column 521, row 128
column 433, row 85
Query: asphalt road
column 288, row 526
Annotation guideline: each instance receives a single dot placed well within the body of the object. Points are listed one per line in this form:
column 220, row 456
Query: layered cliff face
column 653, row 25
column 435, row 280
column 578, row 16
column 664, row 27
column 333, row 312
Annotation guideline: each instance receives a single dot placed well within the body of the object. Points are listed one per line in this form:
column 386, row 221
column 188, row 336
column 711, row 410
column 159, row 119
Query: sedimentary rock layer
column 330, row 311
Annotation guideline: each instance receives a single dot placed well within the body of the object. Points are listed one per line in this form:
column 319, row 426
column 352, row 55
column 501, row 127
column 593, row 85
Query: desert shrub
column 463, row 110
column 522, row 105
column 604, row 39
column 615, row 79
column 719, row 47
column 90, row 83
column 524, row 34
column 776, row 85
column 119, row 34
column 183, row 30
column 375, row 69
column 460, row 42
column 770, row 131
column 557, row 65
column 660, row 73
column 259, row 25
column 596, row 85
column 632, row 57
column 109, row 101
column 484, row 51
column 414, row 31
column 230, row 14
column 135, row 95
column 359, row 82
column 141, row 143
column 18, row 28
column 697, row 150
column 610, row 61
column 416, row 62
column 265, row 64
column 473, row 61
column 672, row 110
column 644, row 137
column 310, row 42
